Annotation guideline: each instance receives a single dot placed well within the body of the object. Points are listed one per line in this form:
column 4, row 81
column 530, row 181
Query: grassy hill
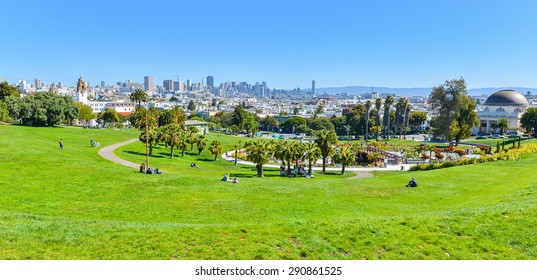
column 73, row 204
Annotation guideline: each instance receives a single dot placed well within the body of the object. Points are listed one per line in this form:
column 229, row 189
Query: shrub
column 460, row 152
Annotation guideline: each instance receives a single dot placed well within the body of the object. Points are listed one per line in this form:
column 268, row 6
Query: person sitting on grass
column 412, row 183
column 226, row 178
column 235, row 180
column 142, row 168
column 97, row 145
column 193, row 165
column 92, row 142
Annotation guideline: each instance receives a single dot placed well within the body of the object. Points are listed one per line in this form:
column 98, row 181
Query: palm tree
column 387, row 105
column 378, row 106
column 529, row 120
column 259, row 152
column 139, row 95
column 345, row 156
column 401, row 109
column 237, row 147
column 284, row 151
column 201, row 142
column 216, row 148
column 153, row 140
column 325, row 141
column 502, row 124
column 171, row 134
column 182, row 144
column 312, row 153
column 297, row 150
column 368, row 104
column 191, row 139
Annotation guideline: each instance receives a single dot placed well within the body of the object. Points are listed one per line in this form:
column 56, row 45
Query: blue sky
column 283, row 42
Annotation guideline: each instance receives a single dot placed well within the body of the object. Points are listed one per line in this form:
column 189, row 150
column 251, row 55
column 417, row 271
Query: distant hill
column 358, row 90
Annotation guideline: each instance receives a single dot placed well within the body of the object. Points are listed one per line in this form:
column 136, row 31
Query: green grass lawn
column 73, row 204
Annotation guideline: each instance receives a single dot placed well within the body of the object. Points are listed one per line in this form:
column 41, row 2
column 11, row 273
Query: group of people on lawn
column 298, row 171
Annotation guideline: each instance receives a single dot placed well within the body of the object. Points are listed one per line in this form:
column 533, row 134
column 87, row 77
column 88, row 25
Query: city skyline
column 385, row 44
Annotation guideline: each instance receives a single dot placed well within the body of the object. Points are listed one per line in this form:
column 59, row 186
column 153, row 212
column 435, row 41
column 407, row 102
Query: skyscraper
column 210, row 81
column 103, row 84
column 188, row 85
column 168, row 85
column 313, row 87
column 37, row 84
column 148, row 83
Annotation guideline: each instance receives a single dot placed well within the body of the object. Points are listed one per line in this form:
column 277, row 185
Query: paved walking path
column 108, row 153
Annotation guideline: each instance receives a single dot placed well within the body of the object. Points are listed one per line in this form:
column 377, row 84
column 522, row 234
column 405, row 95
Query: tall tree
column 455, row 115
column 311, row 153
column 326, row 141
column 85, row 112
column 216, row 148
column 191, row 106
column 529, row 120
column 139, row 95
column 171, row 135
column 8, row 90
column 259, row 152
column 378, row 106
column 402, row 110
column 416, row 119
column 368, row 104
column 153, row 134
column 386, row 124
column 237, row 147
column 191, row 136
column 201, row 143
column 284, row 152
column 346, row 156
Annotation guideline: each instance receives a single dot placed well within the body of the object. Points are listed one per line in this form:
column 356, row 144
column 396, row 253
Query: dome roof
column 507, row 97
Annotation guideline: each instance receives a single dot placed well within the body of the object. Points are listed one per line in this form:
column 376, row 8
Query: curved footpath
column 108, row 153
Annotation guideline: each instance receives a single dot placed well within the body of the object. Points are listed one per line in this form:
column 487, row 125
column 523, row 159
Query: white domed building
column 504, row 104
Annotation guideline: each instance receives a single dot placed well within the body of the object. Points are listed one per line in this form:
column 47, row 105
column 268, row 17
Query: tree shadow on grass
column 143, row 154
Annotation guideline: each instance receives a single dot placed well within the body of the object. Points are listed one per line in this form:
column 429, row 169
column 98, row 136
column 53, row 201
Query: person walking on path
column 61, row 144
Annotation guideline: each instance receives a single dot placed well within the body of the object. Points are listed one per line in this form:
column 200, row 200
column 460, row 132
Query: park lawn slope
column 73, row 204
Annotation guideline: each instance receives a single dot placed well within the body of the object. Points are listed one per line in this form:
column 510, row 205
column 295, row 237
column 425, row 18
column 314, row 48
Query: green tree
column 402, row 111
column 464, row 120
column 191, row 137
column 416, row 119
column 237, row 147
column 386, row 119
column 171, row 135
column 293, row 123
column 284, row 152
column 216, row 148
column 139, row 95
column 259, row 152
column 368, row 104
column 109, row 116
column 201, row 143
column 191, row 106
column 321, row 123
column 270, row 123
column 455, row 115
column 326, row 141
column 8, row 90
column 182, row 144
column 378, row 106
column 529, row 120
column 502, row 125
column 250, row 124
column 153, row 137
column 311, row 153
column 346, row 156
column 298, row 150
column 85, row 113
column 4, row 112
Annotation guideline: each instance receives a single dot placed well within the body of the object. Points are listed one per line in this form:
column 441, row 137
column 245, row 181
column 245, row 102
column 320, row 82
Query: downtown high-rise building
column 103, row 84
column 313, row 87
column 37, row 84
column 210, row 81
column 148, row 83
column 188, row 85
column 168, row 85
